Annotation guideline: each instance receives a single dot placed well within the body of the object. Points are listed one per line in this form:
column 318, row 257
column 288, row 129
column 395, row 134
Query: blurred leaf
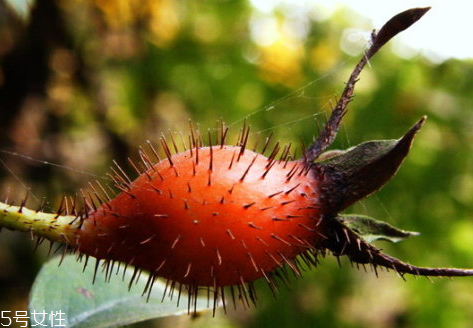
column 371, row 229
column 103, row 304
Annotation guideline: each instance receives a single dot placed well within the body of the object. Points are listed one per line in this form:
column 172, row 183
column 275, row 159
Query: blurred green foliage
column 85, row 82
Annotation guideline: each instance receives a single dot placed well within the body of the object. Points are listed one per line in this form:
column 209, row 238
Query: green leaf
column 371, row 229
column 68, row 290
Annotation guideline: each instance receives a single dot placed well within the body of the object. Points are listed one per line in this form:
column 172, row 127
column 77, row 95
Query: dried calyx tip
column 395, row 25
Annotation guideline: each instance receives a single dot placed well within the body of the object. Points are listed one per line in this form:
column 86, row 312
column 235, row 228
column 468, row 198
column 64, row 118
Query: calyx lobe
column 362, row 170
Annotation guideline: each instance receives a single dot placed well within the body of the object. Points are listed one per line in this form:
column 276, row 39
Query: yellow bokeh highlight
column 118, row 12
column 161, row 17
column 280, row 62
column 163, row 21
column 323, row 57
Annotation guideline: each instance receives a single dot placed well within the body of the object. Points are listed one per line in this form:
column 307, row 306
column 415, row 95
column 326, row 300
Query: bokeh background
column 84, row 82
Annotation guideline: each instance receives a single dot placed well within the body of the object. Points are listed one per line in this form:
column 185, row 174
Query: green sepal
column 371, row 229
column 345, row 177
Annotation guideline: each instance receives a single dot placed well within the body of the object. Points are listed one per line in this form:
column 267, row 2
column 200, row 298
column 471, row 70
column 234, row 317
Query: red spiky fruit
column 223, row 215
column 209, row 217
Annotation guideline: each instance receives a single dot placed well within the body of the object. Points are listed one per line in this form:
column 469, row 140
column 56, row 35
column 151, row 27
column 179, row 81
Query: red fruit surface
column 220, row 216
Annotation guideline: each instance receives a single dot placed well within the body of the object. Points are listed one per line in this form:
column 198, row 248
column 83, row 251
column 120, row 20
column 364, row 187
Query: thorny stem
column 344, row 241
column 53, row 227
column 395, row 25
